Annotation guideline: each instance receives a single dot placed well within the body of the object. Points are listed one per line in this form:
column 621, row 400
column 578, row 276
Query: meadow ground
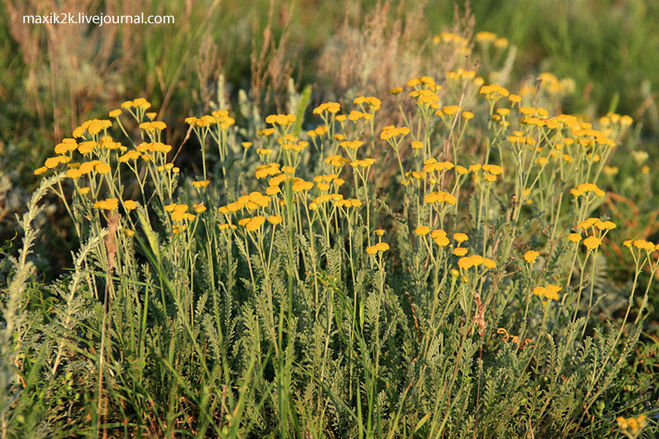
column 346, row 219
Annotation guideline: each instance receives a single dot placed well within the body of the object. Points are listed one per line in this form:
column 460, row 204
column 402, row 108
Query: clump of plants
column 436, row 271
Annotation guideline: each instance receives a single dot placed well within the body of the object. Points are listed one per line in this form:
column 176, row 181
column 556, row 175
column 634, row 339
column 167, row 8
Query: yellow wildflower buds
column 129, row 156
column 351, row 144
column 468, row 262
column 263, row 171
column 592, row 242
column 329, row 107
column 460, row 251
column 66, row 145
column 632, row 425
column 200, row 184
column 107, row 204
column 550, row 291
column 274, row 219
column 365, row 163
column 391, row 131
column 377, row 248
column 422, row 230
column 587, row 188
column 440, row 237
column 349, row 202
column 460, row 237
column 53, row 162
column 574, row 237
column 337, row 161
column 102, row 168
column 281, row 119
column 440, row 197
column 130, row 204
column 530, row 256
column 302, row 186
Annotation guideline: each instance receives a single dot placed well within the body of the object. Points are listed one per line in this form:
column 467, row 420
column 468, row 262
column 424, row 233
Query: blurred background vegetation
column 54, row 77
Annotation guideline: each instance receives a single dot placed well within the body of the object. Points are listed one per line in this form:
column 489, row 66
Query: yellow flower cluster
column 641, row 244
column 493, row 92
column 281, row 119
column 377, row 248
column 467, row 262
column 252, row 201
column 327, row 107
column 351, row 144
column 179, row 212
column 364, row 163
column 440, row 197
column 530, row 256
column 93, row 127
column 145, row 147
column 107, row 204
column 432, row 165
column 549, row 291
column 635, row 424
column 140, row 103
column 391, row 131
column 153, row 126
column 585, row 188
column 373, row 102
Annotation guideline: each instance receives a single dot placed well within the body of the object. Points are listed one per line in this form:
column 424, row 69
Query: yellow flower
column 377, row 248
column 379, row 232
column 84, row 190
column 73, row 173
column 530, row 256
column 107, row 204
column 102, row 168
column 302, row 186
column 199, row 208
column 253, row 224
column 130, row 155
column 643, row 245
column 460, row 237
column 274, row 219
column 586, row 188
column 460, row 251
column 200, row 184
column 130, row 204
column 592, row 242
column 440, row 197
column 551, row 291
column 422, row 230
column 605, row 225
column 440, row 238
column 539, row 291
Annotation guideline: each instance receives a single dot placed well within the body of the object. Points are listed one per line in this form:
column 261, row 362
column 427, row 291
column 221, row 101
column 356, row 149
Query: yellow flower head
column 592, row 242
column 530, row 256
column 107, row 204
column 460, row 251
column 460, row 237
column 200, row 184
column 130, row 204
column 274, row 219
